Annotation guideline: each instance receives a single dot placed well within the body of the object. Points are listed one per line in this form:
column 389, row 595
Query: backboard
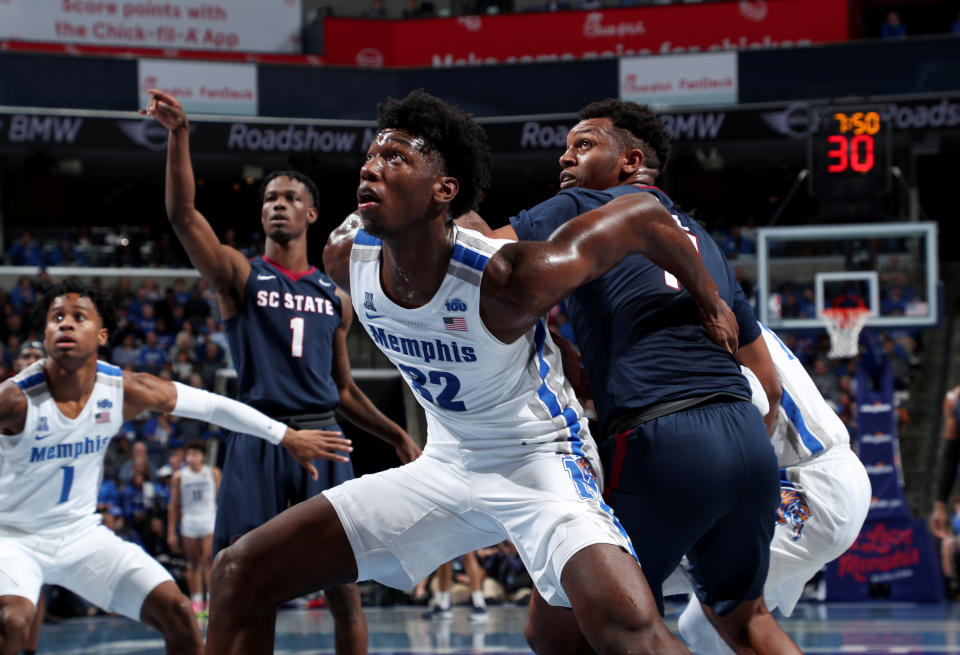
column 889, row 268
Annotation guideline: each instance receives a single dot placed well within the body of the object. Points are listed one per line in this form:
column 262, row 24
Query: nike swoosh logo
column 372, row 316
column 326, row 284
column 43, row 437
column 266, row 277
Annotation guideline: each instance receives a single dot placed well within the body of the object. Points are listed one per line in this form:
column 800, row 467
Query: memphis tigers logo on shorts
column 793, row 511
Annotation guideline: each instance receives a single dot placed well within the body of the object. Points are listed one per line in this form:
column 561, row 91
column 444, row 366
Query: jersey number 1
column 669, row 278
column 67, row 483
column 296, row 341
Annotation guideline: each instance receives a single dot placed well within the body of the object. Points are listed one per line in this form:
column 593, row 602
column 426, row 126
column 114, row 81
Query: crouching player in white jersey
column 824, row 488
column 57, row 417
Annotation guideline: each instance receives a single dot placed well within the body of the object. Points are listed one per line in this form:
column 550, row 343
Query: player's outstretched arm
column 525, row 279
column 354, row 404
column 13, row 408
column 146, row 392
column 225, row 268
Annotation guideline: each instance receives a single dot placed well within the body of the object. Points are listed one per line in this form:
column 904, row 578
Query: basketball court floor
column 823, row 628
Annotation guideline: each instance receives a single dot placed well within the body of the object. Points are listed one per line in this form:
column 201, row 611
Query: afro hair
column 451, row 133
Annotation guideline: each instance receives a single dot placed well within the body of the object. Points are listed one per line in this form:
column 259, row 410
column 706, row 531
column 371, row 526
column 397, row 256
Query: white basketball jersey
column 198, row 493
column 806, row 424
column 478, row 392
column 50, row 473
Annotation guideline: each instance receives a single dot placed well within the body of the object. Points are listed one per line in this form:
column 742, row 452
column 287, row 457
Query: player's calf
column 170, row 612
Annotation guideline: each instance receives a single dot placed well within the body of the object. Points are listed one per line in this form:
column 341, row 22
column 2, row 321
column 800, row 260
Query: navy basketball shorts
column 261, row 480
column 702, row 483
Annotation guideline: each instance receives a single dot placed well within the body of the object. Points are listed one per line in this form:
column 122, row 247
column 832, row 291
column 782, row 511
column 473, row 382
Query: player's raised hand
column 166, row 109
column 306, row 445
column 721, row 325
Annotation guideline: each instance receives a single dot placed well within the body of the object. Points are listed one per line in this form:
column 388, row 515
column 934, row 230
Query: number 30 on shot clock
column 850, row 152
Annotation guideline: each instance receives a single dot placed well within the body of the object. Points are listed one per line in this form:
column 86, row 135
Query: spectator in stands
column 150, row 356
column 212, row 361
column 213, row 331
column 893, row 27
column 554, row 5
column 147, row 322
column 736, row 244
column 125, row 354
column 825, row 380
column 137, row 498
column 376, row 10
column 138, row 454
column 160, row 429
column 26, row 252
column 955, row 28
column 183, row 366
column 113, row 519
column 30, row 352
column 108, row 495
column 65, row 254
column 23, row 296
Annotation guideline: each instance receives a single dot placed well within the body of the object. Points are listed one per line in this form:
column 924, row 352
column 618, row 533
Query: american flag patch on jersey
column 455, row 323
column 101, row 417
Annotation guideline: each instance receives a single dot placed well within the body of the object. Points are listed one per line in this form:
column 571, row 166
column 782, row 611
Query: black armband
column 948, row 472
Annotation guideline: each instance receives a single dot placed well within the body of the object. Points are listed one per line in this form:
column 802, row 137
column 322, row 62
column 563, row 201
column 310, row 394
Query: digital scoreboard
column 849, row 152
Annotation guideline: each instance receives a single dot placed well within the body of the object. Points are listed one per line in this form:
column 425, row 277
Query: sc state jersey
column 639, row 332
column 478, row 392
column 806, row 424
column 282, row 340
column 50, row 473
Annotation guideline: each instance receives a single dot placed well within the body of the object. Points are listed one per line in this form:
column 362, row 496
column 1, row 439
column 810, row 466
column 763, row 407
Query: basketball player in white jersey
column 508, row 454
column 57, row 417
column 824, row 488
column 193, row 508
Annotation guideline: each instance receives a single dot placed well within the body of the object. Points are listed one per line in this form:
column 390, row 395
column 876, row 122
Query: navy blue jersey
column 750, row 329
column 282, row 340
column 640, row 333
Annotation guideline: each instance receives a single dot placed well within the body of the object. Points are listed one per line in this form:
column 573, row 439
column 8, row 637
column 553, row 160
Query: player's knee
column 16, row 629
column 233, row 572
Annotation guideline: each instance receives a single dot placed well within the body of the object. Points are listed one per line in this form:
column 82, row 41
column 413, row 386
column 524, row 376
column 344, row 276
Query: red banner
column 571, row 35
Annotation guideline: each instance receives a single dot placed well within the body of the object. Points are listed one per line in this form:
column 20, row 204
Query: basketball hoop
column 844, row 325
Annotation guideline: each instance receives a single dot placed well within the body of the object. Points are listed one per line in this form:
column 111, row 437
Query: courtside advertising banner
column 570, row 35
column 227, row 25
column 202, row 87
column 680, row 80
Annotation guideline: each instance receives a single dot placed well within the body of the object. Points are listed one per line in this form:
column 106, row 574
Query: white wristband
column 227, row 413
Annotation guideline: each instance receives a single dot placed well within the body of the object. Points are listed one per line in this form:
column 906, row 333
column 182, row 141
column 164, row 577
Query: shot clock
column 849, row 152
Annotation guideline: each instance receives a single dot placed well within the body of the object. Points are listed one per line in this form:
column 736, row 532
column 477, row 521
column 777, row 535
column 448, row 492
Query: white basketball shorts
column 96, row 564
column 194, row 527
column 404, row 522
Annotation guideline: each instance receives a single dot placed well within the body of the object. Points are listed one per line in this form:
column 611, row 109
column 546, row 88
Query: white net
column 844, row 325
